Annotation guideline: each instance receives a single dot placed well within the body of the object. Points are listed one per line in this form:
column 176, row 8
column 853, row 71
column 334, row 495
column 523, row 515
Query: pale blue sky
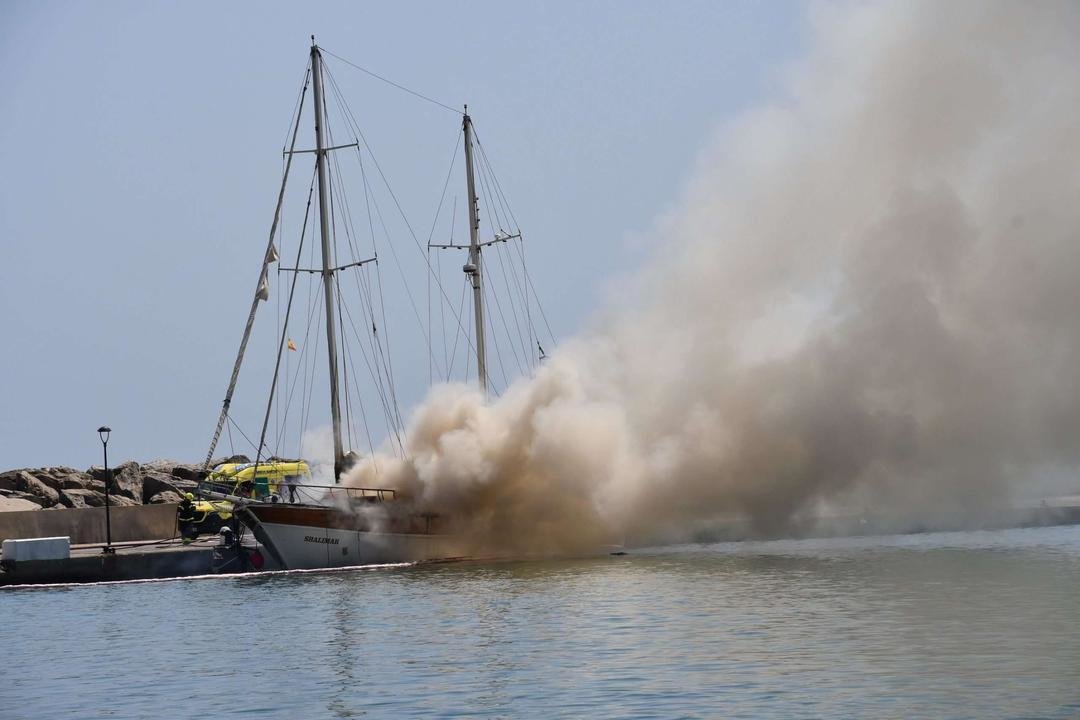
column 141, row 159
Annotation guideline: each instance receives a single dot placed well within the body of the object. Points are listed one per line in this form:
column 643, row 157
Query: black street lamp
column 103, row 433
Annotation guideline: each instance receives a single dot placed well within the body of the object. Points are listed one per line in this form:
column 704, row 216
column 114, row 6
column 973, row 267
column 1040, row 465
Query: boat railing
column 302, row 492
column 338, row 491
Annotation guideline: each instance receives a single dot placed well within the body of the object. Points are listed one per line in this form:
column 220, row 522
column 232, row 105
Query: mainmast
column 327, row 261
column 473, row 268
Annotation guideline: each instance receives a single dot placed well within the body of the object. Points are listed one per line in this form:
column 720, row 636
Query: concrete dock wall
column 87, row 525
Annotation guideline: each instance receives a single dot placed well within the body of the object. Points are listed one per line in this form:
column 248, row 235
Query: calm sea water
column 950, row 625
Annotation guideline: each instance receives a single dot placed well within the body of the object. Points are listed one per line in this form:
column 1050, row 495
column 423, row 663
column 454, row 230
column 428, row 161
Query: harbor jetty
column 53, row 522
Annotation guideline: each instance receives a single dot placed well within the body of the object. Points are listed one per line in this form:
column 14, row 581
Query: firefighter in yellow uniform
column 185, row 519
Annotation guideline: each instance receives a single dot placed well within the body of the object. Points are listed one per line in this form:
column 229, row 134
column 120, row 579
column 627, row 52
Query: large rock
column 165, row 496
column 19, row 495
column 60, row 478
column 122, row 501
column 80, row 498
column 179, row 471
column 22, row 481
column 10, row 480
column 155, row 482
column 127, row 480
column 9, row 504
column 80, row 481
column 192, row 473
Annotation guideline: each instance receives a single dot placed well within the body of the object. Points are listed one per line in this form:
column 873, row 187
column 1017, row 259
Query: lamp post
column 103, row 433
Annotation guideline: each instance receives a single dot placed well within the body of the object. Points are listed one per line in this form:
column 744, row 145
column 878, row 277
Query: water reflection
column 954, row 625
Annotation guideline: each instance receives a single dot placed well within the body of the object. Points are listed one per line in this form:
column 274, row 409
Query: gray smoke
column 867, row 298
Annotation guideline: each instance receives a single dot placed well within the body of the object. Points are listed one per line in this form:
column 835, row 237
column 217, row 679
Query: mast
column 472, row 268
column 327, row 262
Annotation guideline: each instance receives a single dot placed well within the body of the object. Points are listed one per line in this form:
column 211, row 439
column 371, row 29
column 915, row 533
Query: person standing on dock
column 185, row 518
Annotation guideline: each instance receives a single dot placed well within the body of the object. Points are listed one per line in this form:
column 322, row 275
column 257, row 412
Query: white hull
column 302, row 547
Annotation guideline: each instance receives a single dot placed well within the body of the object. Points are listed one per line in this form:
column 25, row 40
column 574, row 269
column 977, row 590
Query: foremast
column 327, row 260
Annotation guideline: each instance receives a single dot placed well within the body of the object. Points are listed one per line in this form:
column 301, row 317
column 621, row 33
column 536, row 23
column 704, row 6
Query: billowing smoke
column 869, row 297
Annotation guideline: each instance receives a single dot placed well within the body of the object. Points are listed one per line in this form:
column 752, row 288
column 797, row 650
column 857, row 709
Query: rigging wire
column 359, row 135
column 523, row 292
column 241, row 431
column 438, row 261
column 311, row 365
column 412, row 233
column 484, row 185
column 360, row 400
column 306, row 358
column 498, row 186
column 502, row 317
column 387, row 410
column 385, row 362
column 528, row 278
column 367, row 303
column 282, row 419
column 525, row 342
column 382, row 363
column 431, row 234
column 296, row 107
column 457, row 336
column 309, row 380
column 491, row 329
column 492, row 179
column 391, row 82
column 486, row 182
column 527, row 282
column 281, row 340
column 232, row 448
column 303, row 364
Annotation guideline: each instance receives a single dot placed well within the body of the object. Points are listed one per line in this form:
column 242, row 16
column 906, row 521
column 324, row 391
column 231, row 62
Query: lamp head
column 103, row 433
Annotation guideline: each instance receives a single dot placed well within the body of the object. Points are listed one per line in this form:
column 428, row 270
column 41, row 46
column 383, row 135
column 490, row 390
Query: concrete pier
column 133, row 561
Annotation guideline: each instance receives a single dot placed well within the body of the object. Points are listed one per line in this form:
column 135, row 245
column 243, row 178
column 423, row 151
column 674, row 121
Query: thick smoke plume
column 868, row 298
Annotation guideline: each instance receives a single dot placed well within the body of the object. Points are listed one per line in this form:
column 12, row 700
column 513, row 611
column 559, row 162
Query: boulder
column 155, row 482
column 126, row 480
column 80, row 498
column 179, row 471
column 24, row 483
column 53, row 482
column 79, row 481
column 60, row 478
column 9, row 504
column 122, row 501
column 165, row 496
column 193, row 473
column 18, row 494
column 9, row 480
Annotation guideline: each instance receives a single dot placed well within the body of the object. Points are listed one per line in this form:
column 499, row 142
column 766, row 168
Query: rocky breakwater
column 132, row 483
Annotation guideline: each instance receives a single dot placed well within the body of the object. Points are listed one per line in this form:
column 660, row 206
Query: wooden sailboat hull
column 304, row 537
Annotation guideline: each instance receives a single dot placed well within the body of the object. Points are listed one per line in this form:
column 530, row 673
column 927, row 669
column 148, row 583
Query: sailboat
column 343, row 526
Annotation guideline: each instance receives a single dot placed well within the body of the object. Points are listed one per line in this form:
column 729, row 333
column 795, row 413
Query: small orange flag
column 291, row 345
